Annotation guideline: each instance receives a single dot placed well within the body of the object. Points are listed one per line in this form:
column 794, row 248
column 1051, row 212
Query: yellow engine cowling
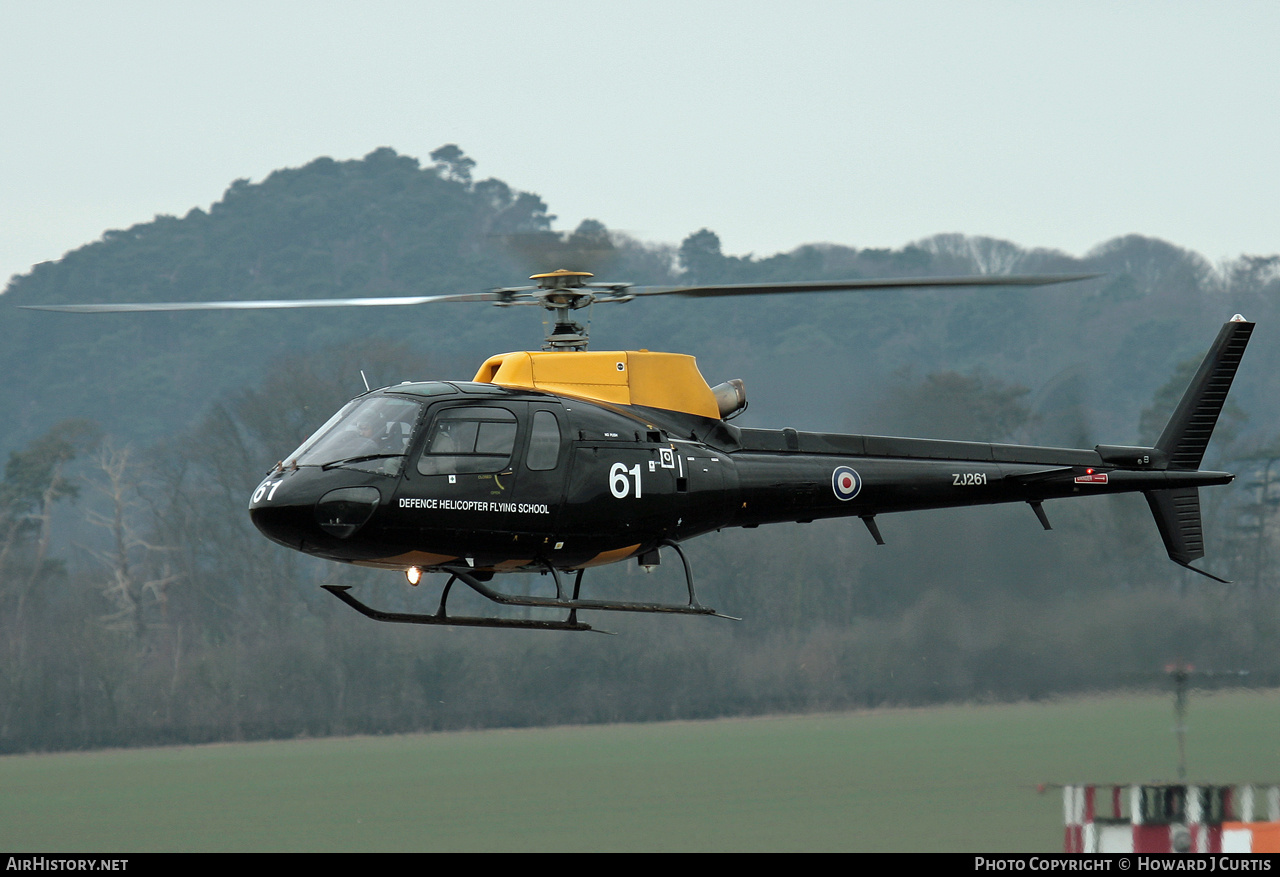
column 623, row 377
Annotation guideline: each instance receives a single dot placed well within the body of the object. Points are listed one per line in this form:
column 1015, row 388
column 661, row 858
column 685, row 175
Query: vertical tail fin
column 1187, row 433
column 1185, row 437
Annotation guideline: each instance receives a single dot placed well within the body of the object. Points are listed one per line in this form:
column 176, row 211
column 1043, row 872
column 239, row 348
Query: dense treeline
column 139, row 605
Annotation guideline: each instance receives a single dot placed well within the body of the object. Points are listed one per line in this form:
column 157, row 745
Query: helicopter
column 565, row 459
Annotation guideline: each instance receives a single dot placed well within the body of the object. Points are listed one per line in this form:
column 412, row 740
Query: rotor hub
column 562, row 278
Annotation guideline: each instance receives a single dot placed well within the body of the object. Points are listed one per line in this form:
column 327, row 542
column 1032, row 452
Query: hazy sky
column 774, row 124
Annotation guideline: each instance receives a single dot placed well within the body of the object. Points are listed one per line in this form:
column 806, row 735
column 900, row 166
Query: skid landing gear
column 560, row 601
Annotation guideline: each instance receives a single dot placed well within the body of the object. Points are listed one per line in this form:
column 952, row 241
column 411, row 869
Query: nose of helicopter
column 300, row 516
column 282, row 524
column 277, row 512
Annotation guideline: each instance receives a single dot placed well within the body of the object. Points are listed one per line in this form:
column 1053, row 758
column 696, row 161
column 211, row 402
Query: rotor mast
column 562, row 291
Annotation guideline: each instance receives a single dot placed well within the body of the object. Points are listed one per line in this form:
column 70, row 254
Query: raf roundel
column 845, row 482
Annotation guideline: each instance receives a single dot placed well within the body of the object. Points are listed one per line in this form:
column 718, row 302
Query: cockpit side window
column 544, row 442
column 469, row 440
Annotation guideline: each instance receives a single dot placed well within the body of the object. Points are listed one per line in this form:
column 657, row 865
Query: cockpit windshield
column 372, row 433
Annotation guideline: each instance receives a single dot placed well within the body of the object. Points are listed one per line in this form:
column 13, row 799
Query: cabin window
column 544, row 442
column 469, row 440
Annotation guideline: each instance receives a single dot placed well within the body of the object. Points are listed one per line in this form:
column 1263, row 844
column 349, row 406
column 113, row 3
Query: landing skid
column 570, row 604
column 340, row 591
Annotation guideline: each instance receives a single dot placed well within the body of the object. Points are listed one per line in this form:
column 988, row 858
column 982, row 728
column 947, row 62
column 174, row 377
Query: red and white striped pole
column 1073, row 817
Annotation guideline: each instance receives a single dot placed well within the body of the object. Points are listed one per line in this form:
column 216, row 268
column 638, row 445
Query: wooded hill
column 149, row 610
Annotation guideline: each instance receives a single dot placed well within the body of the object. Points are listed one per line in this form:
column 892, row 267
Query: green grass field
column 941, row 779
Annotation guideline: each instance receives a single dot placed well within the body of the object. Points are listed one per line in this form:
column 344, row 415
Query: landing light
column 414, row 575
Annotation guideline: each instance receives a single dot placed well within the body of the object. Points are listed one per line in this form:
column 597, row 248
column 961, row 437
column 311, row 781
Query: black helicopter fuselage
column 498, row 479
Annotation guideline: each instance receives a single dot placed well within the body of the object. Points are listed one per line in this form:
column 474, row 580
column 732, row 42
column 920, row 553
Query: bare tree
column 136, row 571
column 985, row 255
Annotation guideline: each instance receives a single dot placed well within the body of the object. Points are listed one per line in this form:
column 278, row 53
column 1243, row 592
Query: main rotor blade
column 514, row 294
column 852, row 285
column 266, row 304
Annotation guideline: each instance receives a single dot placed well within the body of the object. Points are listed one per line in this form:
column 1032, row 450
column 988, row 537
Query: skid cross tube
column 693, row 607
column 483, row 590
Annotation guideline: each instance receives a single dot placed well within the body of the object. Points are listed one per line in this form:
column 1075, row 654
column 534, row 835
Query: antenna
column 366, row 380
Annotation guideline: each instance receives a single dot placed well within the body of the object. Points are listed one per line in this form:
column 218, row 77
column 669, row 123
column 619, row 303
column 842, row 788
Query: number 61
column 619, row 484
